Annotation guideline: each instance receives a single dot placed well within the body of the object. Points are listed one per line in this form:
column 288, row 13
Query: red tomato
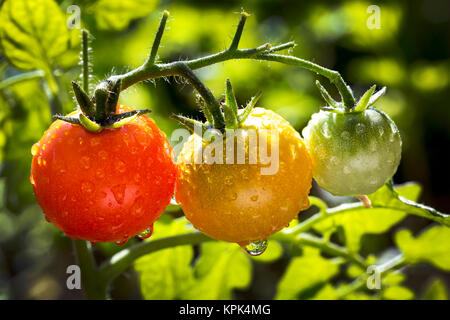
column 106, row 186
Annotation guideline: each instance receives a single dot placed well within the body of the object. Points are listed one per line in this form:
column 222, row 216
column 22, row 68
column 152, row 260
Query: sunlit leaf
column 221, row 268
column 25, row 123
column 33, row 33
column 166, row 274
column 432, row 245
column 398, row 293
column 326, row 293
column 304, row 272
column 437, row 290
column 117, row 14
column 393, row 278
column 356, row 221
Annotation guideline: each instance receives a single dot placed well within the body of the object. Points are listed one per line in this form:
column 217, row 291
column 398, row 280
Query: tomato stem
column 92, row 283
column 157, row 41
column 151, row 70
column 85, row 59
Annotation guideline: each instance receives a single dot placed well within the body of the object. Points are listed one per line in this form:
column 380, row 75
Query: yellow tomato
column 245, row 202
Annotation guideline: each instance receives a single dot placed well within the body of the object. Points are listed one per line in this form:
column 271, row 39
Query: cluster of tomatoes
column 114, row 184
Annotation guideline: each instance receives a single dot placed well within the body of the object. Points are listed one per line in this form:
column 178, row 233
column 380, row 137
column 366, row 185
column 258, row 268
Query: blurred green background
column 409, row 54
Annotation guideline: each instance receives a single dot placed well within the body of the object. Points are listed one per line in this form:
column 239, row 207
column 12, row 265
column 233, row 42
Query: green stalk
column 92, row 283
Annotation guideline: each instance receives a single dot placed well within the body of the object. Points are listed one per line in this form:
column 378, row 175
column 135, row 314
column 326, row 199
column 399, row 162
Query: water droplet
column 134, row 150
column 391, row 138
column 229, row 180
column 119, row 192
column 95, row 142
column 120, row 166
column 346, row 170
column 87, row 187
column 121, row 242
column 100, row 173
column 360, row 128
column 146, row 233
column 334, row 160
column 85, row 162
column 138, row 209
column 256, row 248
column 35, row 149
column 103, row 154
column 345, row 135
column 254, row 198
column 233, row 196
column 373, row 180
column 142, row 138
column 244, row 174
column 381, row 131
column 325, row 130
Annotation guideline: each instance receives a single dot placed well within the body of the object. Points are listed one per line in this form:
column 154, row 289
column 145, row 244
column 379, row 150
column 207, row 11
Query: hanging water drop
column 256, row 248
column 173, row 201
column 146, row 233
column 121, row 242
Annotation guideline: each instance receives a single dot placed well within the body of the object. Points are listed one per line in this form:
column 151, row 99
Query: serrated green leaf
column 221, row 268
column 166, row 274
column 117, row 14
column 436, row 291
column 33, row 34
column 398, row 293
column 432, row 245
column 305, row 272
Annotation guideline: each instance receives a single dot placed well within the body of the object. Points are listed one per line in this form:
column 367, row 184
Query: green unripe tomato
column 355, row 153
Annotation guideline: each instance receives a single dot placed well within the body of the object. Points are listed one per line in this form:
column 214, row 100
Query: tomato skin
column 354, row 153
column 235, row 202
column 105, row 186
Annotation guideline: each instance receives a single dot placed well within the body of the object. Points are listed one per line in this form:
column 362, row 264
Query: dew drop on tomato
column 146, row 233
column 121, row 242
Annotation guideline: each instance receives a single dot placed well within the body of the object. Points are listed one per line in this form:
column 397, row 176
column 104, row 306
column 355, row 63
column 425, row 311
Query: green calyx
column 233, row 117
column 368, row 99
column 99, row 112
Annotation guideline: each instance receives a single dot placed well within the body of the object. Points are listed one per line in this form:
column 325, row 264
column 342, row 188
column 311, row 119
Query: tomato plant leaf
column 117, row 14
column 397, row 293
column 33, row 115
column 389, row 206
column 304, row 272
column 166, row 274
column 388, row 197
column 221, row 268
column 33, row 34
column 436, row 290
column 433, row 246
